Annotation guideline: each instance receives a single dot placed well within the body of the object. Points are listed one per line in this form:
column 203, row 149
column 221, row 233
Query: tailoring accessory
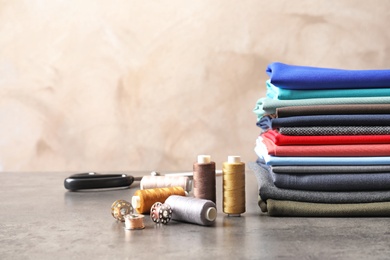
column 305, row 77
column 93, row 180
column 233, row 186
column 204, row 178
column 134, row 221
column 121, row 208
column 160, row 213
column 150, row 182
column 143, row 200
column 192, row 210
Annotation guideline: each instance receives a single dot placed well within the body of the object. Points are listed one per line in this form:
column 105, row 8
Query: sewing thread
column 192, row 210
column 204, row 178
column 121, row 208
column 143, row 200
column 134, row 221
column 151, row 182
column 233, row 182
column 160, row 213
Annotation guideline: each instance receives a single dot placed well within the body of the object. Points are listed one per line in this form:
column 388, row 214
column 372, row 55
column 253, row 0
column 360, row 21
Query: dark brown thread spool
column 204, row 178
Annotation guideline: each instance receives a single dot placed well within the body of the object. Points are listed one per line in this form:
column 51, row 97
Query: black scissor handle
column 94, row 180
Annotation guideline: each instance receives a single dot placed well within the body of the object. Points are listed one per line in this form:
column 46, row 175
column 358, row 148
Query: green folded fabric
column 275, row 92
column 285, row 208
column 269, row 106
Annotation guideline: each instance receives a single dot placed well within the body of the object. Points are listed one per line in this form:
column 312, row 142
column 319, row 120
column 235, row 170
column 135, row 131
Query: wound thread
column 233, row 181
column 151, row 182
column 134, row 221
column 160, row 213
column 192, row 210
column 204, row 178
column 143, row 200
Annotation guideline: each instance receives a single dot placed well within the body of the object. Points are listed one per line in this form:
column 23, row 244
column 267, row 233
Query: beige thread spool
column 233, row 181
column 134, row 221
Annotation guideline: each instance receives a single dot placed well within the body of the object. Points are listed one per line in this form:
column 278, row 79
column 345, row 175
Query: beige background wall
column 149, row 85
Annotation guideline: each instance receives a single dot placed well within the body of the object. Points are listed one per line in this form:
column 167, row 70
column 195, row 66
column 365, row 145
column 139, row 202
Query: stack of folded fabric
column 324, row 147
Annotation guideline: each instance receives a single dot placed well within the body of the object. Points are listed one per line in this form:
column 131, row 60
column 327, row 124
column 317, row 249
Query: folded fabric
column 277, row 160
column 326, row 150
column 332, row 110
column 285, row 208
column 269, row 106
column 280, row 139
column 332, row 120
column 275, row 92
column 267, row 190
column 333, row 181
column 304, row 77
column 324, row 169
column 336, row 130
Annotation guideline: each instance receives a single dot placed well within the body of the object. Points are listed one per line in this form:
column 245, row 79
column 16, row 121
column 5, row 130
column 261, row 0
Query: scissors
column 93, row 180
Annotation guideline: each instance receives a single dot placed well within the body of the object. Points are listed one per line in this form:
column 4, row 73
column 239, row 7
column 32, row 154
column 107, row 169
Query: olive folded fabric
column 305, row 77
column 332, row 110
column 285, row 208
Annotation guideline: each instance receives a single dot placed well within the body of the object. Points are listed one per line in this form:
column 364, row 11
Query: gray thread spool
column 192, row 210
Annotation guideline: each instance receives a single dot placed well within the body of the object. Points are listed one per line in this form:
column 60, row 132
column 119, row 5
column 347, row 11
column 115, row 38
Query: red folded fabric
column 280, row 139
column 327, row 150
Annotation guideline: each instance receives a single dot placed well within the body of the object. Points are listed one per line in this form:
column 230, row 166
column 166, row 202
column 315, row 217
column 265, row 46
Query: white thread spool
column 151, row 182
column 192, row 210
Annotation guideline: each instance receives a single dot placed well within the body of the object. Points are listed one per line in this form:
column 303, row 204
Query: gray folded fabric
column 268, row 190
column 333, row 181
column 336, row 130
column 281, row 208
column 307, row 169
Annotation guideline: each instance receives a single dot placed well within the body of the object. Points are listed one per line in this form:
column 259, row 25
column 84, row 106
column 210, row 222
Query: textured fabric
column 326, row 150
column 285, row 208
column 274, row 92
column 332, row 110
column 305, row 169
column 280, row 139
column 303, row 77
column 267, row 190
column 268, row 106
column 332, row 120
column 333, row 182
column 335, row 130
column 277, row 160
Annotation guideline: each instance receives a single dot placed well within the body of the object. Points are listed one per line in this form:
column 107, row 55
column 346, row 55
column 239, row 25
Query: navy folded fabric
column 333, row 182
column 331, row 120
column 304, row 77
column 267, row 190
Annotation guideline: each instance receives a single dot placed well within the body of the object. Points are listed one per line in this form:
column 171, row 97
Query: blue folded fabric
column 274, row 92
column 303, row 77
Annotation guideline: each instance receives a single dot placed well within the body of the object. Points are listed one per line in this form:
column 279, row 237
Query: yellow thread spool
column 143, row 200
column 233, row 179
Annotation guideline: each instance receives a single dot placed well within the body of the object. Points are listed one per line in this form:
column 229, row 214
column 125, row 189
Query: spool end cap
column 204, row 158
column 136, row 201
column 234, row 159
column 211, row 214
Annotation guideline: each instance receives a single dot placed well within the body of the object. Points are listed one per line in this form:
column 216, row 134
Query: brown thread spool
column 160, row 213
column 204, row 178
column 134, row 221
column 233, row 176
column 144, row 199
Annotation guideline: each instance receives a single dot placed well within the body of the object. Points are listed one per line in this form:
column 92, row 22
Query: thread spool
column 204, row 178
column 233, row 181
column 151, row 182
column 144, row 199
column 160, row 213
column 121, row 208
column 192, row 210
column 134, row 221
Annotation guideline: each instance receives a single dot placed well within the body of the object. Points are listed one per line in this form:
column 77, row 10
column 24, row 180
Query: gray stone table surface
column 39, row 219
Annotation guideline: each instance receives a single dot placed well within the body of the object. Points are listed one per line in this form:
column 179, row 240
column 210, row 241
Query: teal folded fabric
column 269, row 106
column 275, row 92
